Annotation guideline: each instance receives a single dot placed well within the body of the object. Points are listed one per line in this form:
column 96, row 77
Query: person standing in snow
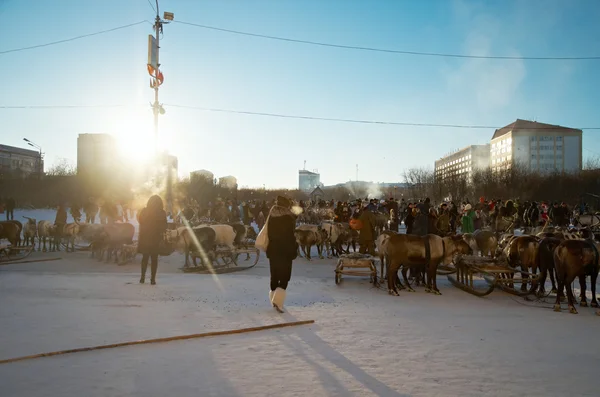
column 153, row 223
column 281, row 250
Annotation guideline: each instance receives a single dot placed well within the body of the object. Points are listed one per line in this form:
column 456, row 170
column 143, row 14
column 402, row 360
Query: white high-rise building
column 308, row 181
column 463, row 162
column 96, row 153
column 537, row 146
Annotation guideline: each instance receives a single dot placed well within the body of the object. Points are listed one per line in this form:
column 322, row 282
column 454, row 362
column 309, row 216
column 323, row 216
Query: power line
column 408, row 124
column 419, row 53
column 289, row 116
column 66, row 106
column 153, row 9
column 73, row 38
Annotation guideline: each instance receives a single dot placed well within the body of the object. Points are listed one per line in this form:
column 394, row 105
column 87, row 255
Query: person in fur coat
column 282, row 249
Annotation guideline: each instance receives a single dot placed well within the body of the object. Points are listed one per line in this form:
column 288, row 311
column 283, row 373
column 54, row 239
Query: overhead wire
column 287, row 116
column 357, row 121
column 386, row 50
column 66, row 106
column 73, row 38
column 151, row 5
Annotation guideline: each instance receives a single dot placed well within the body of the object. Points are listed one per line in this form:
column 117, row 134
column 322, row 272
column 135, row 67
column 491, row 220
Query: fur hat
column 283, row 201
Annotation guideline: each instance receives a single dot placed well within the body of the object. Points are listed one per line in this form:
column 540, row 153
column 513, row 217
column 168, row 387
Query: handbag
column 262, row 240
column 165, row 248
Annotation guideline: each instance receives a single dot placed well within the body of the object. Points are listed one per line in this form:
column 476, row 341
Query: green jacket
column 467, row 222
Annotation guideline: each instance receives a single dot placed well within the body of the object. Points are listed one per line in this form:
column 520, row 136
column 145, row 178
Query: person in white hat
column 281, row 250
column 468, row 225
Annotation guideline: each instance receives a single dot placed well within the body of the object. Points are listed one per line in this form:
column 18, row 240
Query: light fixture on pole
column 39, row 166
column 156, row 80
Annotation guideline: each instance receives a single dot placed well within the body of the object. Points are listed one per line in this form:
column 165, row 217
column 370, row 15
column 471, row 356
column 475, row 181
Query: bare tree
column 63, row 167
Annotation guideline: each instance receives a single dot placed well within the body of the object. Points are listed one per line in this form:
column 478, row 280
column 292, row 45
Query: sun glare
column 135, row 137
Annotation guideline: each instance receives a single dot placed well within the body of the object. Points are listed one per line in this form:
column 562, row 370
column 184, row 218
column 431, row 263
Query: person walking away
column 76, row 212
column 566, row 214
column 91, row 209
column 393, row 211
column 409, row 219
column 467, row 220
column 260, row 220
column 10, row 208
column 477, row 220
column 443, row 221
column 119, row 212
column 59, row 224
column 153, row 223
column 366, row 236
column 432, row 221
column 422, row 219
column 282, row 249
column 453, row 213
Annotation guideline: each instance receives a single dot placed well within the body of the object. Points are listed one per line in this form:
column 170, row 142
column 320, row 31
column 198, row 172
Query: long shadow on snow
column 310, row 338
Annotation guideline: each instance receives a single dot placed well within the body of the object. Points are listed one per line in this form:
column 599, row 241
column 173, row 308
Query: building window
column 559, row 138
column 533, row 139
column 533, row 156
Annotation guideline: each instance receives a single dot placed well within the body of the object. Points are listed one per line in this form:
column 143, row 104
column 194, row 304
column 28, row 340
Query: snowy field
column 363, row 343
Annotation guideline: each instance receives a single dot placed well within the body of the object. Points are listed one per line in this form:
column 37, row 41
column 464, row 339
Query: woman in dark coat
column 153, row 223
column 282, row 249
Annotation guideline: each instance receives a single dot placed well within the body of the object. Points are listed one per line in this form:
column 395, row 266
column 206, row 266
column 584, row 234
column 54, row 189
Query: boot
column 142, row 280
column 271, row 293
column 279, row 299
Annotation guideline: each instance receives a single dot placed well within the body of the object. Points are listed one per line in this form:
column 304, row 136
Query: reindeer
column 29, row 231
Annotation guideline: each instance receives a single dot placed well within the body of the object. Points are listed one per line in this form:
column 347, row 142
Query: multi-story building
column 229, row 182
column 96, row 153
column 463, row 162
column 202, row 174
column 536, row 146
column 308, row 181
column 18, row 162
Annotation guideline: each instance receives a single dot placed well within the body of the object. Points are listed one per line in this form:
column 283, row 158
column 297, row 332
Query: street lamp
column 40, row 157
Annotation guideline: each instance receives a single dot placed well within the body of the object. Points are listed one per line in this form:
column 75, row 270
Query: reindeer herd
column 564, row 255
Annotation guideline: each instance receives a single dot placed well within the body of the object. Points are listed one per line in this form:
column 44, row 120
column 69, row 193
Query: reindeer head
column 31, row 221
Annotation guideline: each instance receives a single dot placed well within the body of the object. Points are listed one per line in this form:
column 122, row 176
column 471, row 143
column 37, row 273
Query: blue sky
column 220, row 70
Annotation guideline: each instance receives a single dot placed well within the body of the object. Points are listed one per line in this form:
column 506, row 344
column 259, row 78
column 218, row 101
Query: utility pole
column 156, row 80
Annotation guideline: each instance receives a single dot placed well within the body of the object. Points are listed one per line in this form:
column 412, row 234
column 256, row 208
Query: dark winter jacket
column 61, row 216
column 10, row 204
column 153, row 223
column 281, row 225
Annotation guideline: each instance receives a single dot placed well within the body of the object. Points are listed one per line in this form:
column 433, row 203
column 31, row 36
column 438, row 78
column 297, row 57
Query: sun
column 134, row 134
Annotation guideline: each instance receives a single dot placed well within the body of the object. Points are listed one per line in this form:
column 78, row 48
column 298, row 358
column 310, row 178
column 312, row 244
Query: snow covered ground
column 363, row 343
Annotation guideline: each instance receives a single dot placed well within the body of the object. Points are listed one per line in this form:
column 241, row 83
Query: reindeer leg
column 542, row 288
column 560, row 281
column 570, row 297
column 404, row 271
column 187, row 258
column 552, row 277
column 392, row 290
column 593, row 279
column 524, row 278
column 582, row 286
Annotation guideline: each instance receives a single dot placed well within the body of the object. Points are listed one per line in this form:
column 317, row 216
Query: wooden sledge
column 360, row 265
column 481, row 275
column 9, row 253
